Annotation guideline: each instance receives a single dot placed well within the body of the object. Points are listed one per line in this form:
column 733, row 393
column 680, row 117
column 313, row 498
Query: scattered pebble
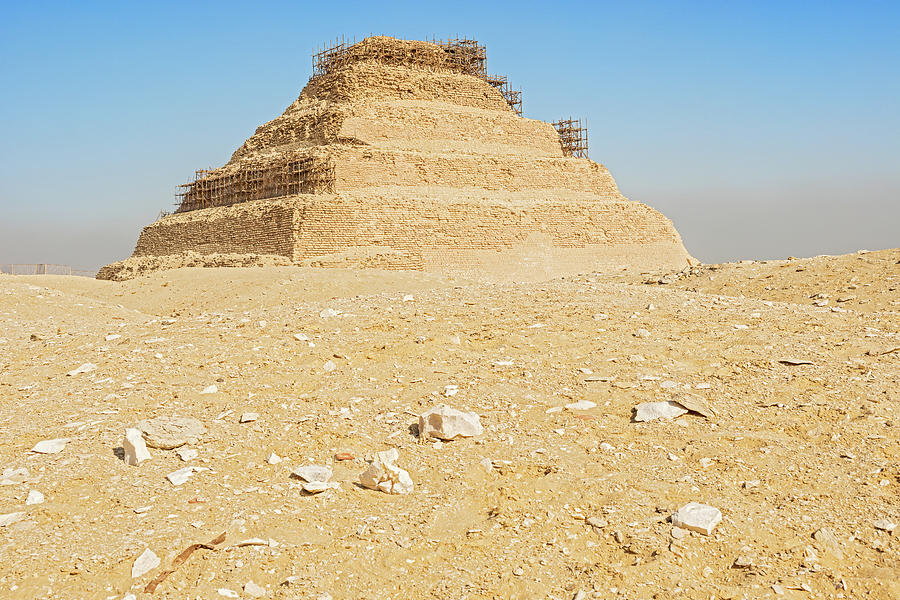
column 328, row 313
column 182, row 475
column 144, row 563
column 34, row 497
column 210, row 389
column 581, row 405
column 694, row 516
column 10, row 518
column 135, row 449
column 50, row 446
column 329, row 366
column 384, row 474
column 14, row 476
column 449, row 423
column 255, row 590
column 187, row 454
column 85, row 368
column 226, row 593
column 315, row 478
column 649, row 411
column 168, row 433
column 273, row 459
column 249, row 417
column 885, row 525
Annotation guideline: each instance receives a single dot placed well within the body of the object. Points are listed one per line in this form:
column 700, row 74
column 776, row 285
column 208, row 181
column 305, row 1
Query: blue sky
column 762, row 129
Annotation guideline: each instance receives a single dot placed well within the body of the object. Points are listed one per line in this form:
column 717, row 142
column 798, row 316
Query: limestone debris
column 168, row 433
column 135, row 449
column 448, row 423
column 694, row 516
column 650, row 411
column 50, row 446
column 144, row 563
column 384, row 474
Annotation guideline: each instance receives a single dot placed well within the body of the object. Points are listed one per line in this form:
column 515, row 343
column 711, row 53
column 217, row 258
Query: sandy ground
column 793, row 448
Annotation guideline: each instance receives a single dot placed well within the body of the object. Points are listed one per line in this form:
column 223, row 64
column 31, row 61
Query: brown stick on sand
column 181, row 559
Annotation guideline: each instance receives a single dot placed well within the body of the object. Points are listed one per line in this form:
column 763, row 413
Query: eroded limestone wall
column 262, row 227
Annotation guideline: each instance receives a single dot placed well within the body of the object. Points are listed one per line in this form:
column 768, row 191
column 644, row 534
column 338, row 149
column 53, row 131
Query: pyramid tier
column 474, row 233
column 317, row 115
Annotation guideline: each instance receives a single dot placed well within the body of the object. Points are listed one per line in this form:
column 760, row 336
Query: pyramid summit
column 408, row 155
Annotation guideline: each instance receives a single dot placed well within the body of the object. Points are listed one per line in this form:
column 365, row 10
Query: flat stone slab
column 694, row 516
column 167, row 433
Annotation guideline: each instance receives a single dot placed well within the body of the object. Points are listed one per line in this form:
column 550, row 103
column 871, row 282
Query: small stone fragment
column 344, row 456
column 314, row 473
column 317, row 487
column 226, row 593
column 885, row 525
column 678, row 533
column 649, row 411
column 596, row 522
column 14, row 476
column 301, row 337
column 384, row 474
column 182, row 475
column 210, row 389
column 145, row 563
column 273, row 459
column 328, row 313
column 34, row 497
column 10, row 518
column 187, row 454
column 408, row 298
column 642, row 333
column 449, row 423
column 743, row 562
column 255, row 590
column 249, row 417
column 85, row 368
column 135, row 449
column 581, row 405
column 696, row 404
column 694, row 516
column 329, row 366
column 829, row 542
column 168, row 433
column 50, row 446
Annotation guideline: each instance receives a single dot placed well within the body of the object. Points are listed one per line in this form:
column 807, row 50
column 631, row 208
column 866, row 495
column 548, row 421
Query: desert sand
column 798, row 359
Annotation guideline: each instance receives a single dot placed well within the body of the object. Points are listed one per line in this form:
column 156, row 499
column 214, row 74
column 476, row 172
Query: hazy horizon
column 761, row 130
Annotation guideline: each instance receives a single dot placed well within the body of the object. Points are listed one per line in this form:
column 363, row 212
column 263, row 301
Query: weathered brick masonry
column 412, row 167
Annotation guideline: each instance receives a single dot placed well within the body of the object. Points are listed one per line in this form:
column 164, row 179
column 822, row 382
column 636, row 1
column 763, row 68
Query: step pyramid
column 408, row 155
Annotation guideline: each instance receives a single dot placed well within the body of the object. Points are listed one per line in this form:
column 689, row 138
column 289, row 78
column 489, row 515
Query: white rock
column 112, row 336
column 885, row 525
column 249, row 417
column 694, row 516
column 182, row 475
column 642, row 333
column 408, row 298
column 581, row 405
column 317, row 487
column 14, row 476
column 145, row 563
column 85, row 368
column 226, row 593
column 134, row 446
column 384, row 474
column 10, row 518
column 314, row 473
column 329, row 366
column 187, row 454
column 255, row 590
column 210, row 389
column 301, row 337
column 34, row 497
column 168, row 433
column 50, row 446
column 448, row 423
column 648, row 411
column 273, row 459
column 328, row 313
column 129, row 596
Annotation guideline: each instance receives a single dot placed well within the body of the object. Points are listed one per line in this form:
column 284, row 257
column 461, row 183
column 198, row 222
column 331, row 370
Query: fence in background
column 44, row 269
